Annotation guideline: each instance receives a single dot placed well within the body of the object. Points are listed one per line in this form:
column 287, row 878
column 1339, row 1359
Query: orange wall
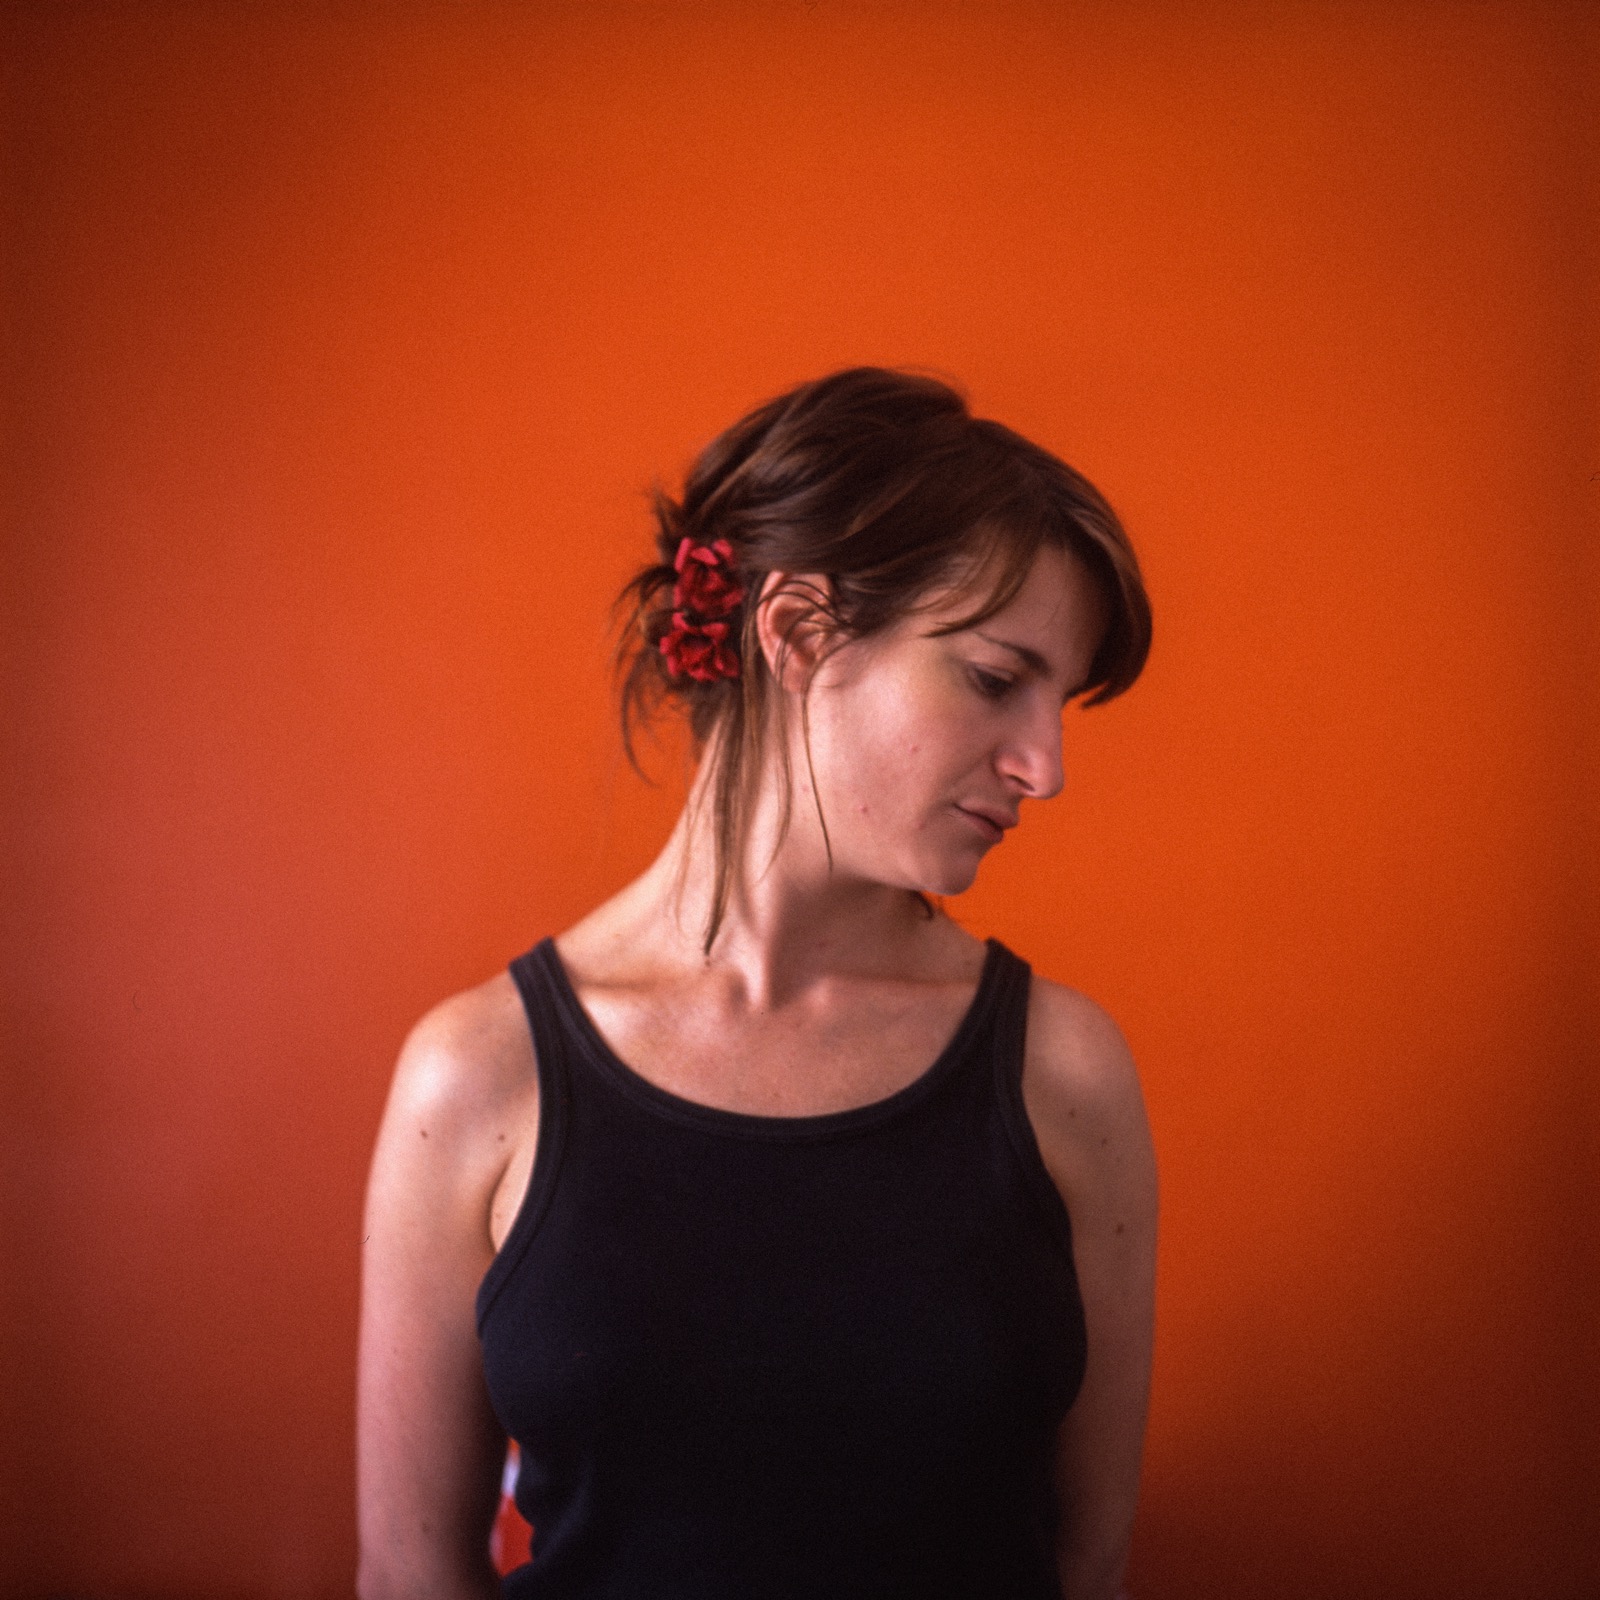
column 340, row 342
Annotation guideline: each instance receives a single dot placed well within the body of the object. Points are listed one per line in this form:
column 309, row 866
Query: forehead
column 1057, row 612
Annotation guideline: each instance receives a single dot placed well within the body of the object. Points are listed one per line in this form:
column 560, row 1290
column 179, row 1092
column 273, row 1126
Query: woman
column 806, row 1247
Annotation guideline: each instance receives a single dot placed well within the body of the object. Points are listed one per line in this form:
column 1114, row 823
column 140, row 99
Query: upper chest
column 847, row 1044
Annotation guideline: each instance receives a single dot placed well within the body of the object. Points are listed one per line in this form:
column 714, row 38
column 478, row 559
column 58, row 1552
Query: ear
column 792, row 625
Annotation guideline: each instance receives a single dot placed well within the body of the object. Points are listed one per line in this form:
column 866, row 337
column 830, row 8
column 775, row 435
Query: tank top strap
column 538, row 984
column 1013, row 989
column 1008, row 1013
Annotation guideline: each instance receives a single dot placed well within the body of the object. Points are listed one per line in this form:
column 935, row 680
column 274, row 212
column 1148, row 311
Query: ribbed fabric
column 784, row 1358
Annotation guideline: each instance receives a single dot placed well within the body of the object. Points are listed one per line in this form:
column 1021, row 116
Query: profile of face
column 925, row 745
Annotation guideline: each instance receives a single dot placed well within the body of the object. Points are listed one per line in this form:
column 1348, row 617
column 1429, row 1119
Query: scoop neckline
column 748, row 1123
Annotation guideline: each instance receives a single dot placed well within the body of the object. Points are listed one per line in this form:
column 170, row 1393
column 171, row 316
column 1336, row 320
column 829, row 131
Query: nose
column 1031, row 758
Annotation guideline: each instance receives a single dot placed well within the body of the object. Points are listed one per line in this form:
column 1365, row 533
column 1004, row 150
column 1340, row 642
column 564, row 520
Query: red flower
column 699, row 650
column 703, row 588
column 705, row 594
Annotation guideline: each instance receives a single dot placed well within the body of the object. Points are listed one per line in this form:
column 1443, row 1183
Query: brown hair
column 884, row 482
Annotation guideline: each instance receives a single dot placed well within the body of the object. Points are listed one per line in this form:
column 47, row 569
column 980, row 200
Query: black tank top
column 784, row 1358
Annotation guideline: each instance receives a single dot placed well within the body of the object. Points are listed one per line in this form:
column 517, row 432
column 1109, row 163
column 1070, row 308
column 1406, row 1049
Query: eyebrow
column 1031, row 659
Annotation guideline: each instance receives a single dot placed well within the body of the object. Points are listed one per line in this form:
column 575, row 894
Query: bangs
column 999, row 558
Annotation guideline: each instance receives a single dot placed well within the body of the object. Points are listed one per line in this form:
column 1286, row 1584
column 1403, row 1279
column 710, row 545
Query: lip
column 991, row 824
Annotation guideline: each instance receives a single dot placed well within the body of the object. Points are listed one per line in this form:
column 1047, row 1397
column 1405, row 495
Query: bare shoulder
column 1077, row 1054
column 472, row 1046
column 466, row 1068
column 1083, row 1096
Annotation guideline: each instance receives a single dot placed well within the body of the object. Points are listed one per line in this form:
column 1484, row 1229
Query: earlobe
column 793, row 625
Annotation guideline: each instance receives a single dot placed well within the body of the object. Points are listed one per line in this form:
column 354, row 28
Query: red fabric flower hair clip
column 704, row 597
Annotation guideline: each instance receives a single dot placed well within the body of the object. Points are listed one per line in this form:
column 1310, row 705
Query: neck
column 790, row 914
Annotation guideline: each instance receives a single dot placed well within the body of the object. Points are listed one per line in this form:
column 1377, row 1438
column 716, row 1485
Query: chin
column 949, row 878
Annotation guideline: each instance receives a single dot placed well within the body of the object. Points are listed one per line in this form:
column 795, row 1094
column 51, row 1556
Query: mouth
column 992, row 827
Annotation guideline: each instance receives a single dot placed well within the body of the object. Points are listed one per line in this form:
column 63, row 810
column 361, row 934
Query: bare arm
column 1083, row 1099
column 429, row 1450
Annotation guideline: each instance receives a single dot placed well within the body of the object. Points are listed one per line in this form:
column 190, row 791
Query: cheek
column 875, row 753
column 890, row 742
column 899, row 764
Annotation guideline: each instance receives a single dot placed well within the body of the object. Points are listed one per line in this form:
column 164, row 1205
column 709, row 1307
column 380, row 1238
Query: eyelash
column 990, row 684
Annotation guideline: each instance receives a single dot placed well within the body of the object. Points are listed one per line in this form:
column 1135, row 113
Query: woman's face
column 924, row 748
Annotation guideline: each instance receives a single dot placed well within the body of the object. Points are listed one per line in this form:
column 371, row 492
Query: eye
column 989, row 684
